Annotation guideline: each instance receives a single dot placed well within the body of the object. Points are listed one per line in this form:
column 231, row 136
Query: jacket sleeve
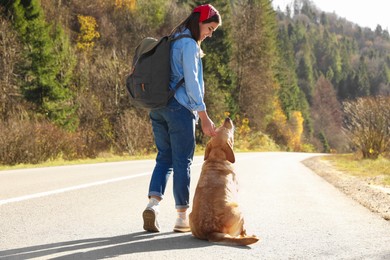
column 193, row 76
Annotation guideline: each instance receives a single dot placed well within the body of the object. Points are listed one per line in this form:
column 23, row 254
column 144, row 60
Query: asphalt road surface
column 94, row 212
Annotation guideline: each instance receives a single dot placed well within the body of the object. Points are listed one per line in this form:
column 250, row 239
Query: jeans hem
column 155, row 193
column 182, row 206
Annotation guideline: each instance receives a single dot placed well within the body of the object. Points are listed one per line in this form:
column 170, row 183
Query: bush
column 75, row 146
column 367, row 125
column 33, row 142
column 247, row 139
column 28, row 142
column 135, row 134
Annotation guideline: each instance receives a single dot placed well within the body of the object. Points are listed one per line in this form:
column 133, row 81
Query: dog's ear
column 207, row 152
column 228, row 149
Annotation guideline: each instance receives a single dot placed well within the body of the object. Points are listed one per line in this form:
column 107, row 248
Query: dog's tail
column 242, row 240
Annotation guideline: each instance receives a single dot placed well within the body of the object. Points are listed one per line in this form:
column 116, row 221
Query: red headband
column 206, row 12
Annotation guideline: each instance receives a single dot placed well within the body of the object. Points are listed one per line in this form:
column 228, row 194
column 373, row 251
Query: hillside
column 282, row 76
column 335, row 60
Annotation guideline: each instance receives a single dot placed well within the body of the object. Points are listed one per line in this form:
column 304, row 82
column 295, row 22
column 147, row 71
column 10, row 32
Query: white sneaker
column 150, row 219
column 182, row 225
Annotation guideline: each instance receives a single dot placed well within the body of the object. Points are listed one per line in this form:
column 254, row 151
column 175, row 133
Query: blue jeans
column 174, row 135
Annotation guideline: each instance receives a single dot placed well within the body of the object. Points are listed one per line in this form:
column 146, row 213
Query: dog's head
column 220, row 146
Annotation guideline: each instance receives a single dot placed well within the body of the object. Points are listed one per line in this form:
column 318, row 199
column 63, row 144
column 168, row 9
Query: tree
column 292, row 98
column 303, row 48
column 45, row 74
column 296, row 130
column 361, row 81
column 88, row 33
column 289, row 90
column 286, row 131
column 327, row 115
column 381, row 80
column 129, row 4
column 153, row 12
column 219, row 76
column 367, row 125
column 254, row 60
column 10, row 48
column 378, row 30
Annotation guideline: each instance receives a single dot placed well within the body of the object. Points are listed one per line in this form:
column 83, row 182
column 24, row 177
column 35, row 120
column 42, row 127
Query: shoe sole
column 182, row 229
column 150, row 221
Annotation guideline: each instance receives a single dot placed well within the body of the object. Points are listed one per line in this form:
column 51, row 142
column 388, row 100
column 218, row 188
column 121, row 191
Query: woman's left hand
column 208, row 126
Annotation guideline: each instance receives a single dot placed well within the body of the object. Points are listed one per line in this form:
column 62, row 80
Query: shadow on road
column 105, row 247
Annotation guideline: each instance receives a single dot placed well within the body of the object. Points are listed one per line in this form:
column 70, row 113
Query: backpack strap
column 178, row 85
column 181, row 36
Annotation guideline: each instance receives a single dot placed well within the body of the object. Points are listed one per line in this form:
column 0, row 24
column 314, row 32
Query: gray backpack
column 148, row 82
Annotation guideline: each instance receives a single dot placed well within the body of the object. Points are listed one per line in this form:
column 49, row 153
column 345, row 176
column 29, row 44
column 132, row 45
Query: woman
column 174, row 125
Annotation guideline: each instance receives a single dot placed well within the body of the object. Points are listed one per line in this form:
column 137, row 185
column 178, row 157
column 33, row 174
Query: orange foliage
column 287, row 131
column 296, row 130
column 88, row 33
column 129, row 4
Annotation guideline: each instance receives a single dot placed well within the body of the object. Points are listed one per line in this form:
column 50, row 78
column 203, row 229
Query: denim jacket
column 186, row 62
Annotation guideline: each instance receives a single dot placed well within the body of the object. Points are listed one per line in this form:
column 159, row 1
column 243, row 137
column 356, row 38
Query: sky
column 365, row 13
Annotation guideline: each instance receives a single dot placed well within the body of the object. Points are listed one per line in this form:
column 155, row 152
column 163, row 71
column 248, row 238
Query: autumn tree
column 129, row 4
column 10, row 56
column 295, row 130
column 287, row 132
column 254, row 59
column 88, row 33
column 327, row 116
column 367, row 125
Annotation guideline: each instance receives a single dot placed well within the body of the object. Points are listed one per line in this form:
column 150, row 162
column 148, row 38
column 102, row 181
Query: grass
column 364, row 168
column 102, row 158
column 59, row 162
column 347, row 163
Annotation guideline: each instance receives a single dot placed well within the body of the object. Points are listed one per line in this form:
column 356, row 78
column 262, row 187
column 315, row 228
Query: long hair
column 192, row 23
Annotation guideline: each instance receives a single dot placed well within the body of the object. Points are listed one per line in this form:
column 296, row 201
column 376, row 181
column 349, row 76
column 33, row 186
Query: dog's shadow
column 108, row 247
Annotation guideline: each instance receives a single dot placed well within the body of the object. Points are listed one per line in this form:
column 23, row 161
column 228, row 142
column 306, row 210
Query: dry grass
column 60, row 162
column 378, row 170
column 102, row 158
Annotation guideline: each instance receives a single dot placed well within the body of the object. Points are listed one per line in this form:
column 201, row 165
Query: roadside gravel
column 374, row 197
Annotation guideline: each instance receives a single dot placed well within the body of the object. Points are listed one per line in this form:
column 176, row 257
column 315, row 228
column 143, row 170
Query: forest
column 297, row 79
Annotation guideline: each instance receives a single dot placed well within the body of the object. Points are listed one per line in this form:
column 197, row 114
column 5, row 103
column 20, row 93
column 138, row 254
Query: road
column 94, row 212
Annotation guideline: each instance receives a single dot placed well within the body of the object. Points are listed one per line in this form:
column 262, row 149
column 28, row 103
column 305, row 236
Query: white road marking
column 78, row 187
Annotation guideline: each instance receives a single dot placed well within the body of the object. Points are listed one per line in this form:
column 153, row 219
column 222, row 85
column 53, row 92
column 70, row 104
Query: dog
column 215, row 214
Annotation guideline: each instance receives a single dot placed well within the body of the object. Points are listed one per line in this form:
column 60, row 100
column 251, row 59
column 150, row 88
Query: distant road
column 94, row 212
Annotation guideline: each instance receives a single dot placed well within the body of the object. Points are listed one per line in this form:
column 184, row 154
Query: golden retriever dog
column 215, row 213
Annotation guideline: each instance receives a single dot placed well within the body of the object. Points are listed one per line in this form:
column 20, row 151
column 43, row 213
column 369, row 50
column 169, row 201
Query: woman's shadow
column 106, row 247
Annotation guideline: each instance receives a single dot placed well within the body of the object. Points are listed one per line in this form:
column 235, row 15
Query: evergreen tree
column 362, row 82
column 290, row 95
column 45, row 75
column 219, row 77
column 324, row 142
column 382, row 86
column 289, row 90
column 324, row 19
column 305, row 77
column 328, row 57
